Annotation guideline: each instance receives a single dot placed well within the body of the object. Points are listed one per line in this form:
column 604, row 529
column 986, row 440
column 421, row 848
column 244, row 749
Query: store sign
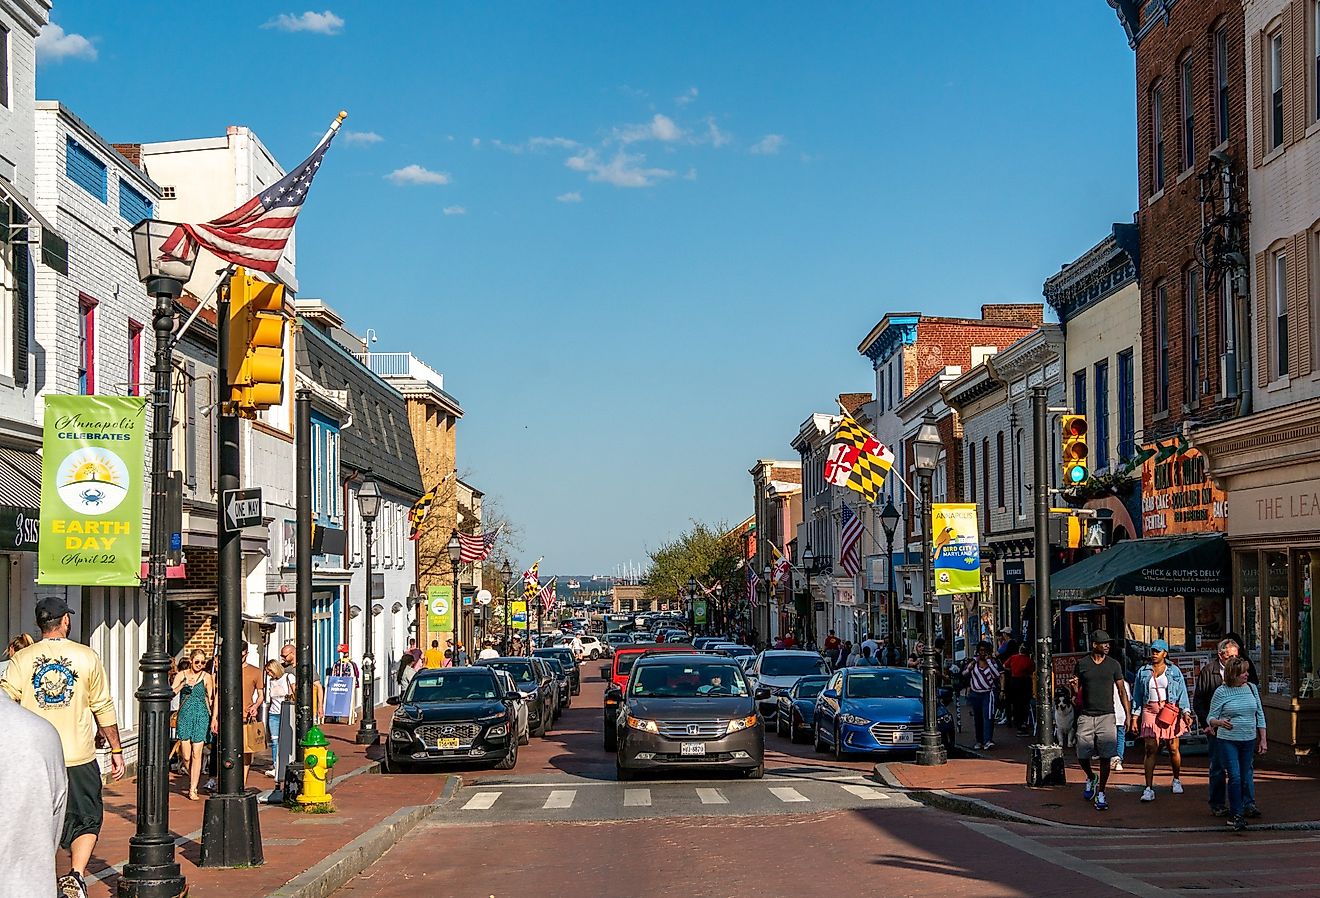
column 18, row 529
column 1178, row 497
column 1015, row 570
column 1286, row 508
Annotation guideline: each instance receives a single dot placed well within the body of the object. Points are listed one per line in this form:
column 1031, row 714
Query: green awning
column 1193, row 565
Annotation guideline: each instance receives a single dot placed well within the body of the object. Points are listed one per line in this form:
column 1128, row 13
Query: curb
column 329, row 875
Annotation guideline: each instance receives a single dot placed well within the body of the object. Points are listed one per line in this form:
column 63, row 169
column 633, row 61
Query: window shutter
column 22, row 307
column 190, row 428
column 1294, row 317
column 1300, row 69
column 1262, row 324
column 1299, row 316
column 1262, row 105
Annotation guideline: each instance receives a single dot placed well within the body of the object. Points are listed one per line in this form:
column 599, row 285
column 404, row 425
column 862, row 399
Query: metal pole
column 455, row 604
column 231, row 833
column 303, row 598
column 508, row 623
column 151, row 871
column 367, row 733
column 931, row 751
column 1045, row 762
column 893, row 594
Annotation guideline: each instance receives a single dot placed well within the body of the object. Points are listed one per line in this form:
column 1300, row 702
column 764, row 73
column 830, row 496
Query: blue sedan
column 873, row 709
column 796, row 708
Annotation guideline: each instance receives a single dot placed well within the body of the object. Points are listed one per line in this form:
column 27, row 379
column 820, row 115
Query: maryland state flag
column 532, row 581
column 422, row 507
column 858, row 460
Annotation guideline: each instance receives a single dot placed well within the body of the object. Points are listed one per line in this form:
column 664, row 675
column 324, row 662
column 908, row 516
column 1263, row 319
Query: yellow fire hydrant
column 317, row 761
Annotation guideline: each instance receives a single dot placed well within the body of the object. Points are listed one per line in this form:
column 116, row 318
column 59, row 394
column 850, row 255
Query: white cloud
column 455, row 210
column 54, row 44
column 415, row 174
column 623, row 170
column 689, row 96
column 542, row 143
column 362, row 137
column 716, row 137
column 315, row 22
column 769, row 145
column 571, row 197
column 476, row 142
column 661, row 128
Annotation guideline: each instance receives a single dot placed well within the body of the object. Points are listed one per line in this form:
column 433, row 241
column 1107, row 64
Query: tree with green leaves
column 709, row 553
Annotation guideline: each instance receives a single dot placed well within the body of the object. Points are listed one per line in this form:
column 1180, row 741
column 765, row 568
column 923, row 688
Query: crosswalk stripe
column 711, row 796
column 784, row 793
column 863, row 791
column 482, row 801
column 636, row 798
column 560, row 798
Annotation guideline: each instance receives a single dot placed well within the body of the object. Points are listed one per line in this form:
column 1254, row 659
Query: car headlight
column 398, row 735
column 646, row 726
column 854, row 720
column 741, row 723
column 500, row 729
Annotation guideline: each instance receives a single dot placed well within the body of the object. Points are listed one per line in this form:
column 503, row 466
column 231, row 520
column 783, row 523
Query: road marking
column 711, row 796
column 636, row 798
column 784, row 793
column 560, row 798
column 481, row 801
column 866, row 792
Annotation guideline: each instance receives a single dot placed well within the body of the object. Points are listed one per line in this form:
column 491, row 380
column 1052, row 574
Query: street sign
column 484, row 597
column 242, row 507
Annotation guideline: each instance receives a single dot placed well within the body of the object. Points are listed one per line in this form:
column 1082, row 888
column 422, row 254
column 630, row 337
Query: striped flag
column 753, row 585
column 858, row 460
column 476, row 546
column 422, row 507
column 850, row 541
column 779, row 568
column 256, row 232
column 531, row 581
column 549, row 593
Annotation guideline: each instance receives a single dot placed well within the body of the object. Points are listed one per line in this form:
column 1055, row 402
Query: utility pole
column 1045, row 763
column 303, row 598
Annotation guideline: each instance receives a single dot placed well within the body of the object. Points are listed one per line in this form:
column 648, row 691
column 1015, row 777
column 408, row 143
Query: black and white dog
column 1065, row 717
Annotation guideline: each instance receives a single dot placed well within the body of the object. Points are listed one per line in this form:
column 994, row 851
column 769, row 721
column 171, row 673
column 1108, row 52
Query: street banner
column 699, row 613
column 338, row 697
column 439, row 609
column 519, row 614
column 956, row 547
column 92, row 468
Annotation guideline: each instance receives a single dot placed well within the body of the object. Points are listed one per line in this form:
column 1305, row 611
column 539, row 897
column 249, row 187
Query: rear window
column 521, row 671
column 792, row 665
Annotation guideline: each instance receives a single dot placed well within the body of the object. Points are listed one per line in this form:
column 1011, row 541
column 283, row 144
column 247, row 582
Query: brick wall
column 1032, row 313
column 948, row 341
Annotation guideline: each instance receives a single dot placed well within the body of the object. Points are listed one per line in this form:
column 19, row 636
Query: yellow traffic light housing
column 1075, row 451
column 255, row 355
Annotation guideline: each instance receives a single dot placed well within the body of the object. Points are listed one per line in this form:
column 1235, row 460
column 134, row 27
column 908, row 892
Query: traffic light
column 1075, row 451
column 256, row 343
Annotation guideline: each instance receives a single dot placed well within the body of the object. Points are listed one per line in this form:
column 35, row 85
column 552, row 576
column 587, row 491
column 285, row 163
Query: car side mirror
column 830, row 693
column 514, row 696
column 394, row 700
column 762, row 693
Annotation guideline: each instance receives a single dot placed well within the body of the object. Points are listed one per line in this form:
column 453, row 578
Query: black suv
column 565, row 655
column 527, row 677
column 451, row 716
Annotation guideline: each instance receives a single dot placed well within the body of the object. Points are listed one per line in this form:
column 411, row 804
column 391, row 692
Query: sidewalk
column 993, row 783
column 292, row 842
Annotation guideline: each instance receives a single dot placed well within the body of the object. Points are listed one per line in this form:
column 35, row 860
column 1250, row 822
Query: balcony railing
column 401, row 364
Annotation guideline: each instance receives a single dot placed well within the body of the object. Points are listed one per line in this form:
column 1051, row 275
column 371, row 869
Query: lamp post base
column 931, row 752
column 367, row 736
column 153, row 880
column 1045, row 766
column 231, row 835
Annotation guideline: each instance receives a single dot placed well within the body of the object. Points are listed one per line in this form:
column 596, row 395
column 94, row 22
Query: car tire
column 595, row 655
column 794, row 732
column 510, row 758
column 539, row 732
column 779, row 724
column 839, row 754
column 755, row 773
column 621, row 773
column 611, row 738
column 818, row 743
column 525, row 739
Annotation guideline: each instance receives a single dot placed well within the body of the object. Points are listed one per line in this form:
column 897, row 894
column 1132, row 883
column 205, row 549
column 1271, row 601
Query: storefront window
column 1249, row 590
column 1308, row 639
column 1280, row 624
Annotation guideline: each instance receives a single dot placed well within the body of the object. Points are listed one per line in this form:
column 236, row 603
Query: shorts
column 84, row 810
column 1097, row 736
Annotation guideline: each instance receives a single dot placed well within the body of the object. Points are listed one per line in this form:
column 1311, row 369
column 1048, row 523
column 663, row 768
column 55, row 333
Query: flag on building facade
column 421, row 508
column 850, row 542
column 858, row 460
column 476, row 546
column 548, row 594
column 779, row 566
column 753, row 585
column 256, row 232
column 531, row 581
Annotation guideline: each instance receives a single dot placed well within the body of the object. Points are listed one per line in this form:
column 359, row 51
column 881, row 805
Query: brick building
column 777, row 498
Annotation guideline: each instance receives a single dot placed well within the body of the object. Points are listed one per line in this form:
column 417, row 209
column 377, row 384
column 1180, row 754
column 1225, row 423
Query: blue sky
column 642, row 243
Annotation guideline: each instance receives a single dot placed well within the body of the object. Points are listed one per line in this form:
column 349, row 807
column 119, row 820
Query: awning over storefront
column 1193, row 565
column 20, row 499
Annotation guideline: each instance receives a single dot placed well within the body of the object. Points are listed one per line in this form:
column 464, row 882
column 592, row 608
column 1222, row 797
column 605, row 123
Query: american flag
column 548, row 594
column 476, row 546
column 753, row 585
column 256, row 232
column 850, row 540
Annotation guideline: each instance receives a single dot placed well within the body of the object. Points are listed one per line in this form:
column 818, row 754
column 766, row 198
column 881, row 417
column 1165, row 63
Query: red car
column 624, row 659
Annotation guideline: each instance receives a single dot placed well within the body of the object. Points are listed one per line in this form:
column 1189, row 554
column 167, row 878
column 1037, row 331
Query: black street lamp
column 769, row 600
column 368, row 503
column 151, row 869
column 809, row 625
column 455, row 549
column 506, row 575
column 889, row 521
column 926, row 455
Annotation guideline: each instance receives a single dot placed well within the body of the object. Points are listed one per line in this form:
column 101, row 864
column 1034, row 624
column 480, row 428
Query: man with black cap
column 64, row 682
column 1097, row 732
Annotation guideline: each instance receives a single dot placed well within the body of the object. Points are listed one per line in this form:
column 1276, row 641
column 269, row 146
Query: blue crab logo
column 93, row 497
column 52, row 682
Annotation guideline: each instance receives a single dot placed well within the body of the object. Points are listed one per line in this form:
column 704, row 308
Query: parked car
column 873, row 709
column 615, row 641
column 565, row 655
column 687, row 710
column 732, row 649
column 520, row 707
column 795, row 707
column 563, row 683
column 592, row 649
column 550, row 681
column 453, row 715
column 779, row 669
column 620, row 670
column 527, row 677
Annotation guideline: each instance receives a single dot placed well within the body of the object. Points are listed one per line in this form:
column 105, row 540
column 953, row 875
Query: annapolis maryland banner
column 956, row 548
column 92, row 468
column 439, row 609
column 518, row 610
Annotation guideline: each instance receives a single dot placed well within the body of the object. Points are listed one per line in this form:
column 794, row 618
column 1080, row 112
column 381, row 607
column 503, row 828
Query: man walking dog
column 1097, row 730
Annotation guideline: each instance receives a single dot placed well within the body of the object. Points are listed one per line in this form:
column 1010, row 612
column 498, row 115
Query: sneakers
column 1219, row 812
column 1251, row 811
column 1148, row 794
column 71, row 885
column 1177, row 786
column 1100, row 803
column 1237, row 824
column 977, row 747
column 1116, row 765
column 988, row 746
column 210, row 785
column 1091, row 783
column 270, row 773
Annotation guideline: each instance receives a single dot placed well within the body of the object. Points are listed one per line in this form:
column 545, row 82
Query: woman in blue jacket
column 1158, row 684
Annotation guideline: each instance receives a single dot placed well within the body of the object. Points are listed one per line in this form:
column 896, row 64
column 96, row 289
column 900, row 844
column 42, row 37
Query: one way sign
column 242, row 508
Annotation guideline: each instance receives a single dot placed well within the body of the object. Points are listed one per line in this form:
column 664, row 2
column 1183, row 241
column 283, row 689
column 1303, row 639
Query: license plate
column 901, row 738
column 446, row 743
column 690, row 749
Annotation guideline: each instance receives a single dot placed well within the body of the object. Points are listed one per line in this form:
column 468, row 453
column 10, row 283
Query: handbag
column 1168, row 713
column 254, row 736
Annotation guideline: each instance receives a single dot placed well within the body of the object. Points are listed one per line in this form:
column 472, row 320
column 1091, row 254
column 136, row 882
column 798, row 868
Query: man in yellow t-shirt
column 433, row 657
column 64, row 682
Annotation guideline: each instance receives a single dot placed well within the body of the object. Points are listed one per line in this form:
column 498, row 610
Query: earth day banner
column 439, row 610
column 956, row 548
column 699, row 613
column 92, row 469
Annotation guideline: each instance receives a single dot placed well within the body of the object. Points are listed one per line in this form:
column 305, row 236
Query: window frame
column 1274, row 111
column 1127, row 404
column 73, row 146
column 1100, row 379
column 1279, row 324
column 134, row 386
column 1192, row 355
column 1187, row 111
column 1157, row 137
column 87, row 344
column 7, row 60
column 1079, row 392
column 1161, row 366
column 999, row 453
column 1221, row 61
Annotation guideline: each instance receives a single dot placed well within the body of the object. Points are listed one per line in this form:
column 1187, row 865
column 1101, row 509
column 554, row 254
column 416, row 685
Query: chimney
column 1023, row 313
column 130, row 151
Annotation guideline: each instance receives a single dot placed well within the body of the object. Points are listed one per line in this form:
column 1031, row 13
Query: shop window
column 1157, row 617
column 1249, row 589
column 1308, row 635
column 1279, row 623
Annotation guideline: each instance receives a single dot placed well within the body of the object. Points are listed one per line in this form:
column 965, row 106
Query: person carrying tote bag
column 1160, row 692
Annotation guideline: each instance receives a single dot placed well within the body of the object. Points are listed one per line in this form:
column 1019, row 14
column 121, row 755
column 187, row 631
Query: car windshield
column 695, row 680
column 883, row 684
column 618, row 638
column 554, row 663
column 733, row 649
column 521, row 671
column 809, row 687
column 792, row 665
column 455, row 687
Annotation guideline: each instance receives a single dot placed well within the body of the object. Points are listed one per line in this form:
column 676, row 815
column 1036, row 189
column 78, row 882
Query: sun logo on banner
column 92, row 481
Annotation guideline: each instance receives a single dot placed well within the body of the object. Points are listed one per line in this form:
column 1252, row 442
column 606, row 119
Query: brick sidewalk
column 292, row 842
column 1286, row 795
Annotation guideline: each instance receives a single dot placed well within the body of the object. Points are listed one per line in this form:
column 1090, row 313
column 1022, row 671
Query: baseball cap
column 1005, row 631
column 53, row 608
column 1099, row 637
column 1159, row 645
column 343, row 648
